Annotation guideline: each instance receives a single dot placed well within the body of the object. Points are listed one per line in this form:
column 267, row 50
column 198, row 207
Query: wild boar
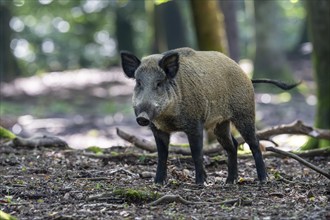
column 187, row 90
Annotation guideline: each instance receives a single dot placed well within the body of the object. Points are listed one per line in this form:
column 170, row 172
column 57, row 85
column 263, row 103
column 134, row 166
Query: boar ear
column 129, row 63
column 170, row 64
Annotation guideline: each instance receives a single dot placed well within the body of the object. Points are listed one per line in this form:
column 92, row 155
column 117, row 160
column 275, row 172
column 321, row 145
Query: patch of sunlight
column 294, row 1
column 266, row 98
column 45, row 2
column 93, row 133
column 17, row 24
column 159, row 2
column 311, row 100
column 247, row 66
column 290, row 142
column 19, row 3
column 244, row 149
column 284, row 97
column 22, row 49
column 285, row 142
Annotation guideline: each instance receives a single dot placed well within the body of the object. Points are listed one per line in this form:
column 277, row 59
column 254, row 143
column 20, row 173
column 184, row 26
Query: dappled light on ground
column 85, row 106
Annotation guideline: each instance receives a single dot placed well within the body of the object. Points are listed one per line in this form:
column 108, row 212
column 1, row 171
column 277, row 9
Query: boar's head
column 155, row 88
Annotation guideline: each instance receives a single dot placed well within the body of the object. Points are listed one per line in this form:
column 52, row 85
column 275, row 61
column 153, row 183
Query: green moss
column 6, row 216
column 114, row 153
column 95, row 150
column 6, row 134
column 313, row 143
column 136, row 195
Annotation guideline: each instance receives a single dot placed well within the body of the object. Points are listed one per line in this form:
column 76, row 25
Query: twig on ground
column 177, row 198
column 292, row 182
column 296, row 157
column 125, row 171
column 170, row 199
column 99, row 178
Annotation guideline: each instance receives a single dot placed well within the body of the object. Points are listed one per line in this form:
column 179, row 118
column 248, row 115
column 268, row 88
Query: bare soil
column 67, row 184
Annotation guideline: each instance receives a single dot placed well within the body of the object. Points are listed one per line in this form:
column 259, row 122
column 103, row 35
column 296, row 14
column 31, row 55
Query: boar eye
column 138, row 83
column 160, row 83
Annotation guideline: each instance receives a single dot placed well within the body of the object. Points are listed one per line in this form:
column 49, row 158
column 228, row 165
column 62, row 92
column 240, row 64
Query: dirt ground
column 85, row 107
column 71, row 184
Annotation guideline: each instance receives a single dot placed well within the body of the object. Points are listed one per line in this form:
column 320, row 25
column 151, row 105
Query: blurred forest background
column 269, row 39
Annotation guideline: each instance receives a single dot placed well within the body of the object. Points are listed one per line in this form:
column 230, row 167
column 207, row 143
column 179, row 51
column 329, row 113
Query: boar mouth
column 143, row 119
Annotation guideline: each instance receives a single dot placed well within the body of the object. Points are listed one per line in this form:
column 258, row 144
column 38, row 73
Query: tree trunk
column 8, row 64
column 319, row 29
column 270, row 61
column 229, row 9
column 209, row 25
column 175, row 29
column 170, row 33
column 124, row 31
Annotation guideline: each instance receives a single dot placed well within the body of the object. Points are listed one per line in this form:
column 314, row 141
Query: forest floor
column 84, row 108
column 72, row 184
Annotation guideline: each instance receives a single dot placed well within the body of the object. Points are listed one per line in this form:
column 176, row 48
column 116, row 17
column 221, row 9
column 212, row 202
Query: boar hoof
column 143, row 119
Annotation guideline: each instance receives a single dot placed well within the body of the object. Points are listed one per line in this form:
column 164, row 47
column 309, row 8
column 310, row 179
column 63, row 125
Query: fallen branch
column 169, row 199
column 138, row 142
column 151, row 147
column 297, row 127
column 296, row 157
column 178, row 199
column 37, row 141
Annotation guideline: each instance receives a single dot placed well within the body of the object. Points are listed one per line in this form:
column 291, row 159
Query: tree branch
column 151, row 147
column 296, row 157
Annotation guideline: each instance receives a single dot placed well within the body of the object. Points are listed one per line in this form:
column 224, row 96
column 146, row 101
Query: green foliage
column 57, row 35
column 291, row 19
column 6, row 134
column 61, row 35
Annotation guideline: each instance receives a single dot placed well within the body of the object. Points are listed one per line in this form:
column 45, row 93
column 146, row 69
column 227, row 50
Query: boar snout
column 143, row 119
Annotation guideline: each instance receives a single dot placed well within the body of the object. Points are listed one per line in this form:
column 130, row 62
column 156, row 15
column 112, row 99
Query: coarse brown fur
column 211, row 93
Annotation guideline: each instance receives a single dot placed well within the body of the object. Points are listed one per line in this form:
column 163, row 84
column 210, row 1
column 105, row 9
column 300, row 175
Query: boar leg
column 195, row 138
column 222, row 131
column 247, row 130
column 162, row 141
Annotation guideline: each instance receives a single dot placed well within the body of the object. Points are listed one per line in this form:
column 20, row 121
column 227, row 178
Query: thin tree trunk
column 209, row 25
column 229, row 9
column 8, row 64
column 319, row 29
column 170, row 33
column 124, row 32
column 270, row 61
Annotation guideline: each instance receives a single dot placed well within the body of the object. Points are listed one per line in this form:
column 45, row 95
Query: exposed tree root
column 178, row 199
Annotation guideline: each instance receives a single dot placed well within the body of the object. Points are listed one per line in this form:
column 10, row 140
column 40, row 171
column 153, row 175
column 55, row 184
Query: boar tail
column 277, row 83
